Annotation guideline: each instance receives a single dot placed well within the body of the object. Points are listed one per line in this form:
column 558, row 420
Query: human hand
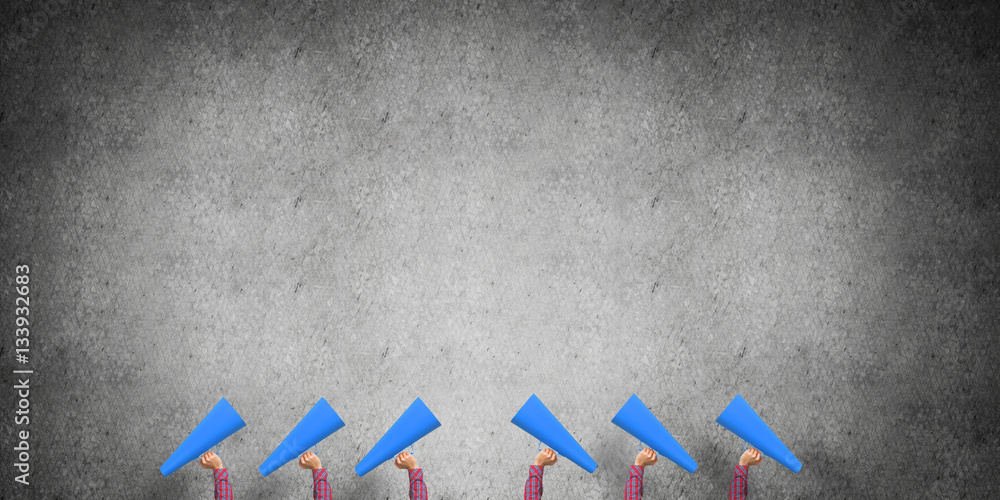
column 751, row 457
column 646, row 457
column 309, row 460
column 211, row 461
column 406, row 460
column 546, row 457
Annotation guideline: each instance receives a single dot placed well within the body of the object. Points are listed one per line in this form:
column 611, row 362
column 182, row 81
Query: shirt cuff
column 416, row 474
column 536, row 471
column 319, row 474
column 220, row 474
column 636, row 470
column 742, row 470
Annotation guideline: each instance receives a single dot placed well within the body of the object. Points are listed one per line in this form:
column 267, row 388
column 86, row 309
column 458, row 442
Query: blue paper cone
column 743, row 421
column 219, row 424
column 638, row 421
column 535, row 419
column 320, row 422
column 416, row 422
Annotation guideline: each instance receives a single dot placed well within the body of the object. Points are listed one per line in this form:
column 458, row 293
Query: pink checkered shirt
column 738, row 488
column 223, row 490
column 418, row 490
column 633, row 488
column 321, row 488
column 533, row 486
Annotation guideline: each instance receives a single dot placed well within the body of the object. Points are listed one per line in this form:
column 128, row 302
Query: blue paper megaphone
column 535, row 419
column 221, row 422
column 741, row 420
column 320, row 422
column 416, row 422
column 638, row 421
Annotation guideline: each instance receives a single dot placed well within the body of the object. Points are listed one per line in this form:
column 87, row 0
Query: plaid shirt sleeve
column 321, row 488
column 533, row 487
column 633, row 488
column 738, row 488
column 223, row 490
column 418, row 490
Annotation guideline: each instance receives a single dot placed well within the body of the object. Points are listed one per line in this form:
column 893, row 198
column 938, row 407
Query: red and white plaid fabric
column 321, row 488
column 738, row 488
column 418, row 490
column 223, row 490
column 533, row 486
column 633, row 488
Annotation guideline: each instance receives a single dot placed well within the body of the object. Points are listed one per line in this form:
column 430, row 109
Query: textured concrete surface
column 472, row 202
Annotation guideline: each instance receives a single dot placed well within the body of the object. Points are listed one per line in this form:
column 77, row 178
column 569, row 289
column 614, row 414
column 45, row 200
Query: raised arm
column 533, row 486
column 321, row 488
column 738, row 486
column 223, row 490
column 633, row 488
column 418, row 490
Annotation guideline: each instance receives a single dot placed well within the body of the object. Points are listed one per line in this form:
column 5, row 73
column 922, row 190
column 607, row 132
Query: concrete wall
column 471, row 202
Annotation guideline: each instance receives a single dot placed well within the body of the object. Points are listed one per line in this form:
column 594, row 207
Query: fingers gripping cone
column 535, row 419
column 740, row 419
column 319, row 422
column 416, row 422
column 638, row 421
column 221, row 422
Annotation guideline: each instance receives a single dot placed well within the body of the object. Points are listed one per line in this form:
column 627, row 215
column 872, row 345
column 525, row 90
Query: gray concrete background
column 471, row 202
